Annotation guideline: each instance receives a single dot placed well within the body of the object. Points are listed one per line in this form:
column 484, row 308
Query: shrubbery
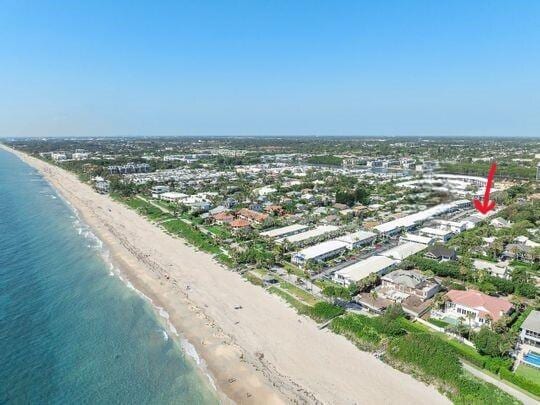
column 520, row 381
column 323, row 311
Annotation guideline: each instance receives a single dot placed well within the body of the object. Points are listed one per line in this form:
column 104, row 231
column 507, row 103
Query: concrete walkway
column 527, row 400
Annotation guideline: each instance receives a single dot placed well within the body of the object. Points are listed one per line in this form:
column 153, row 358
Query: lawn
column 146, row 209
column 298, row 292
column 529, row 372
column 293, row 269
column 219, row 231
column 192, row 235
column 293, row 302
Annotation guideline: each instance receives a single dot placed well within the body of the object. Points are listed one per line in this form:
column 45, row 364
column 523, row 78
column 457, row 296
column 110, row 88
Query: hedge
column 520, row 381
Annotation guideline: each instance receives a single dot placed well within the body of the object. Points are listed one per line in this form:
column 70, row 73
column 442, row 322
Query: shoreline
column 263, row 353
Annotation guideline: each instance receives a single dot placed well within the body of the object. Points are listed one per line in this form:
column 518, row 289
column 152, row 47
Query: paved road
column 527, row 400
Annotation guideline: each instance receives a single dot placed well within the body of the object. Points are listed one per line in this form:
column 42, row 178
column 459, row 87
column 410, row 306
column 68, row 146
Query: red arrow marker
column 486, row 205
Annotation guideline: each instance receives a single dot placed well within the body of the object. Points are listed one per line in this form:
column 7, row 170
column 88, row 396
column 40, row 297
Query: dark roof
column 440, row 251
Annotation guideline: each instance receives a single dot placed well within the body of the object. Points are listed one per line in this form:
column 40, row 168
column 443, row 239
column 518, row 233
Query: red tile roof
column 239, row 223
column 485, row 304
column 223, row 217
column 252, row 215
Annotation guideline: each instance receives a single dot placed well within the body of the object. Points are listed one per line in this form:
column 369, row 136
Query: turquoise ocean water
column 71, row 331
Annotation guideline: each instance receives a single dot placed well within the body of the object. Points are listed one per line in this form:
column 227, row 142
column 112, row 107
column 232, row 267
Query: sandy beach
column 264, row 353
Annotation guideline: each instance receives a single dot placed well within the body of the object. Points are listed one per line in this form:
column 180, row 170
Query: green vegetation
column 519, row 284
column 253, row 279
column 192, row 235
column 438, row 322
column 327, row 160
column 504, row 169
column 146, row 209
column 529, row 373
column 522, row 380
column 323, row 311
column 436, row 361
column 359, row 195
column 298, row 292
column 293, row 302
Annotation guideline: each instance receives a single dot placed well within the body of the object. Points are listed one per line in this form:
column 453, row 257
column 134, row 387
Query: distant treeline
column 481, row 169
column 329, row 160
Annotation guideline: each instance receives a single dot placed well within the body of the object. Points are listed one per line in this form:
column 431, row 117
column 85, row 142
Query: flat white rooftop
column 363, row 268
column 285, row 230
column 355, row 237
column 411, row 237
column 321, row 249
column 401, row 252
column 318, row 231
column 419, row 217
column 434, row 231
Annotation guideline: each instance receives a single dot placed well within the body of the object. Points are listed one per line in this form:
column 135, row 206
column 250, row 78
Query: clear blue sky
column 434, row 67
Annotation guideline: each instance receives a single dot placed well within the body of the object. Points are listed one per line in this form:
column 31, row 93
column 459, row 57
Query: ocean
column 71, row 330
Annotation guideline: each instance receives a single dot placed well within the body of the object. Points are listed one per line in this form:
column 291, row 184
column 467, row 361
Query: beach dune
column 263, row 353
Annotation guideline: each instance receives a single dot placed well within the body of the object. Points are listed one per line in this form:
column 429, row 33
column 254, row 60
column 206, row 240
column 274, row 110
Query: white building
column 500, row 269
column 474, row 308
column 441, row 235
column 80, row 156
column 284, row 231
column 58, row 156
column 173, row 196
column 158, row 190
column 401, row 252
column 411, row 221
column 312, row 233
column 357, row 239
column 319, row 252
column 411, row 237
column 360, row 270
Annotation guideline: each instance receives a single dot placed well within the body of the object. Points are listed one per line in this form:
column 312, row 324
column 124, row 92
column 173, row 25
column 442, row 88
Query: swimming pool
column 532, row 358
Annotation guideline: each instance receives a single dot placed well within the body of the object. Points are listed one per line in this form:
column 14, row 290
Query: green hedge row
column 520, row 381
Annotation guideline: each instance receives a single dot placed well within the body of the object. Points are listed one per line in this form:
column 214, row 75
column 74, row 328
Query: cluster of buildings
column 129, row 168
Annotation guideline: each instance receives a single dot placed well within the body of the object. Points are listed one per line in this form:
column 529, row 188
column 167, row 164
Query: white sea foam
column 186, row 346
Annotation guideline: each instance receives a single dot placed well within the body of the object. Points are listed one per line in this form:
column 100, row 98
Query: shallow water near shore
column 71, row 331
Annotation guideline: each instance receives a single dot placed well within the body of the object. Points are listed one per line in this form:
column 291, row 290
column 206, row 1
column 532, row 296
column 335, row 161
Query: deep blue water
column 70, row 330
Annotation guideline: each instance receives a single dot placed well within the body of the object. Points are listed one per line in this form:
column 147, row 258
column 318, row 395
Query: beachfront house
column 529, row 340
column 473, row 308
column 530, row 330
column 401, row 284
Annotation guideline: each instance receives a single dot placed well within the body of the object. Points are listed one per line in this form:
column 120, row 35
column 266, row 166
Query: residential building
column 440, row 253
column 411, row 237
column 318, row 232
column 102, row 186
column 239, row 224
column 475, row 308
column 252, row 216
column 404, row 250
column 223, row 218
column 530, row 330
column 400, row 284
column 172, row 196
column 441, row 235
column 156, row 191
column 500, row 223
column 319, row 252
column 356, row 239
column 284, row 231
column 499, row 269
column 360, row 270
